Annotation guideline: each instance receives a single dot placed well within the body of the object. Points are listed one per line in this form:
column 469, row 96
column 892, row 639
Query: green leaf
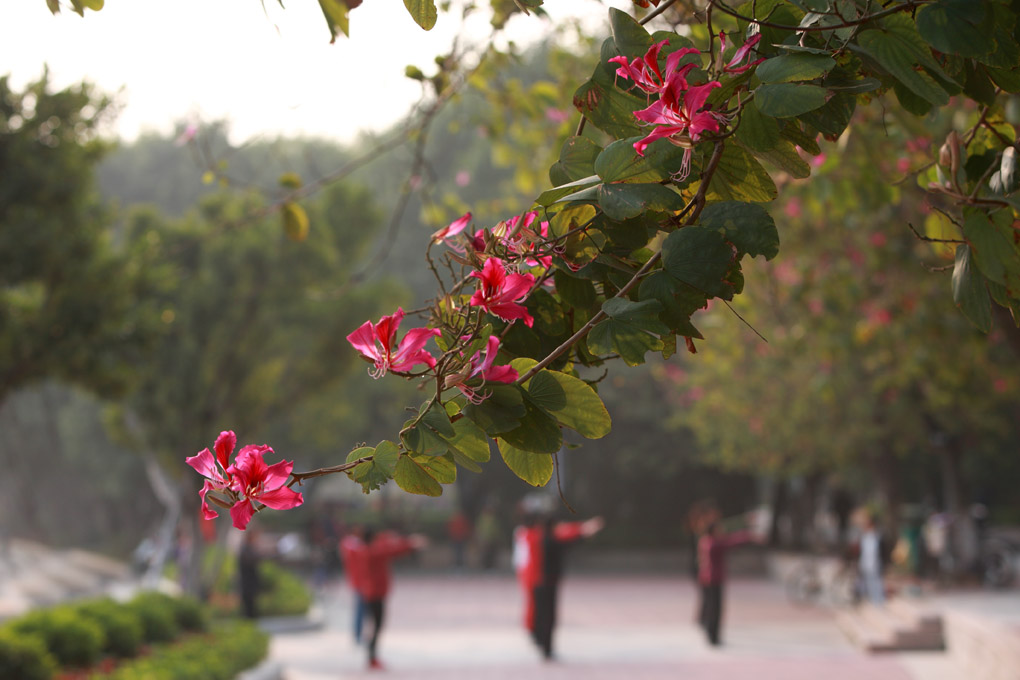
column 295, row 222
column 556, row 194
column 786, row 100
column 898, row 49
column 701, row 258
column 412, row 477
column 785, row 157
column 606, row 106
column 628, row 330
column 437, row 419
column 469, row 440
column 335, row 12
column 290, row 180
column 631, row 39
column 740, row 177
column 969, row 291
column 424, row 440
column 501, row 412
column 993, row 248
column 748, row 226
column 577, row 161
column 376, row 472
column 624, row 201
column 789, row 68
column 571, row 401
column 957, row 27
column 537, row 433
column 534, row 468
column 832, row 118
column 577, row 293
column 423, row 12
column 757, row 131
column 679, row 301
column 80, row 6
column 619, row 162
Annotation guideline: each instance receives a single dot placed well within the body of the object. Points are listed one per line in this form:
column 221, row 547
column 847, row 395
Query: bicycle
column 807, row 586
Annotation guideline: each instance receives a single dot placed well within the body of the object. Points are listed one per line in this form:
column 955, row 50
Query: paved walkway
column 611, row 628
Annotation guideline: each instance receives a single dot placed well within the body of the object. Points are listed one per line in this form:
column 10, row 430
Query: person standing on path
column 350, row 544
column 372, row 564
column 248, row 574
column 712, row 548
column 870, row 560
column 544, row 569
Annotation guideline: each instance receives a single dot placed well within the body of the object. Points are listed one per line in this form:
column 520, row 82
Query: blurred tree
column 67, row 293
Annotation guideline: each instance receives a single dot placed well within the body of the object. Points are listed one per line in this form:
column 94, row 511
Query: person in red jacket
column 372, row 576
column 542, row 568
column 712, row 549
column 350, row 544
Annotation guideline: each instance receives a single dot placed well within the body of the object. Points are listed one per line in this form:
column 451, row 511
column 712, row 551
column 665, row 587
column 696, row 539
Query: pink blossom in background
column 816, row 306
column 1000, row 385
column 414, row 182
column 818, row 160
column 903, row 165
column 793, row 208
column 186, row 135
column 878, row 239
column 555, row 115
column 462, row 178
column 375, row 342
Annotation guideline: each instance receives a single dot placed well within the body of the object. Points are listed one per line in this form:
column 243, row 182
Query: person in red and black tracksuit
column 712, row 549
column 370, row 568
column 541, row 572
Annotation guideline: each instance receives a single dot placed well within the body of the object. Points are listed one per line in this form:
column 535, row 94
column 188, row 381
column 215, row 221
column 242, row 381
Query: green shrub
column 221, row 654
column 157, row 615
column 121, row 626
column 281, row 592
column 72, row 639
column 24, row 657
column 189, row 614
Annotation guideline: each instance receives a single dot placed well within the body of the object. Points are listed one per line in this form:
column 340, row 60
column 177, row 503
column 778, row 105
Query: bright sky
column 208, row 59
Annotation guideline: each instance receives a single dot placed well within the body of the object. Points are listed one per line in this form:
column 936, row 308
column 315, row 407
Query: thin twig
column 737, row 314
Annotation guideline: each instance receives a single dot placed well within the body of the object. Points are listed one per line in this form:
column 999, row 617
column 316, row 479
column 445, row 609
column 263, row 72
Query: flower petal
column 204, row 464
column 281, row 499
column 363, row 340
column 224, row 446
column 242, row 513
column 277, row 474
column 207, row 512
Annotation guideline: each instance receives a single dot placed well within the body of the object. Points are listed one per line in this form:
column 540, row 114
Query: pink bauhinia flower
column 375, row 342
column 733, row 66
column 481, row 368
column 678, row 117
column 500, row 293
column 521, row 241
column 452, row 229
column 644, row 71
column 248, row 480
column 256, row 482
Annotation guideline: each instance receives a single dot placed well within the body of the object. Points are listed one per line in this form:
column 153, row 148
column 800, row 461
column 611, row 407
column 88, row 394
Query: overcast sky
column 207, row 59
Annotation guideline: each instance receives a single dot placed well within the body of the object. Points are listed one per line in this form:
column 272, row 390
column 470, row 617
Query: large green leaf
column 469, row 440
column 631, row 39
column 413, row 477
column 619, row 162
column 957, row 26
column 500, row 412
column 577, row 161
column 757, row 131
column 571, row 401
column 701, row 258
column 832, row 118
column 537, row 433
column 740, row 177
column 748, row 226
column 577, row 293
column 376, row 472
column 604, row 104
column 624, row 201
column 898, row 48
column 786, row 100
column 678, row 301
column 335, row 12
column 424, row 440
column 788, row 68
column 423, row 12
column 994, row 249
column 534, row 468
column 628, row 330
column 784, row 156
column 969, row 291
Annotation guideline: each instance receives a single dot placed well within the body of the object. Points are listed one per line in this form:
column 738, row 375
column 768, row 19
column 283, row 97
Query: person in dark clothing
column 248, row 574
column 712, row 549
column 546, row 541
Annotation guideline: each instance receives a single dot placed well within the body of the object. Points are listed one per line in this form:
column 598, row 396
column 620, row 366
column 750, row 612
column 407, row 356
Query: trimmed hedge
column 40, row 644
column 24, row 657
column 229, row 648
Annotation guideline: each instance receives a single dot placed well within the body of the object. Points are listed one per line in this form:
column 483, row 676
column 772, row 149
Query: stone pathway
column 630, row 628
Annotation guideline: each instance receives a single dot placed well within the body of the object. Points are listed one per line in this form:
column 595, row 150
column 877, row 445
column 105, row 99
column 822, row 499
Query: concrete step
column 883, row 628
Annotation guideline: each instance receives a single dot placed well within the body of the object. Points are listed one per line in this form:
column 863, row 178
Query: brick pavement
column 635, row 628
